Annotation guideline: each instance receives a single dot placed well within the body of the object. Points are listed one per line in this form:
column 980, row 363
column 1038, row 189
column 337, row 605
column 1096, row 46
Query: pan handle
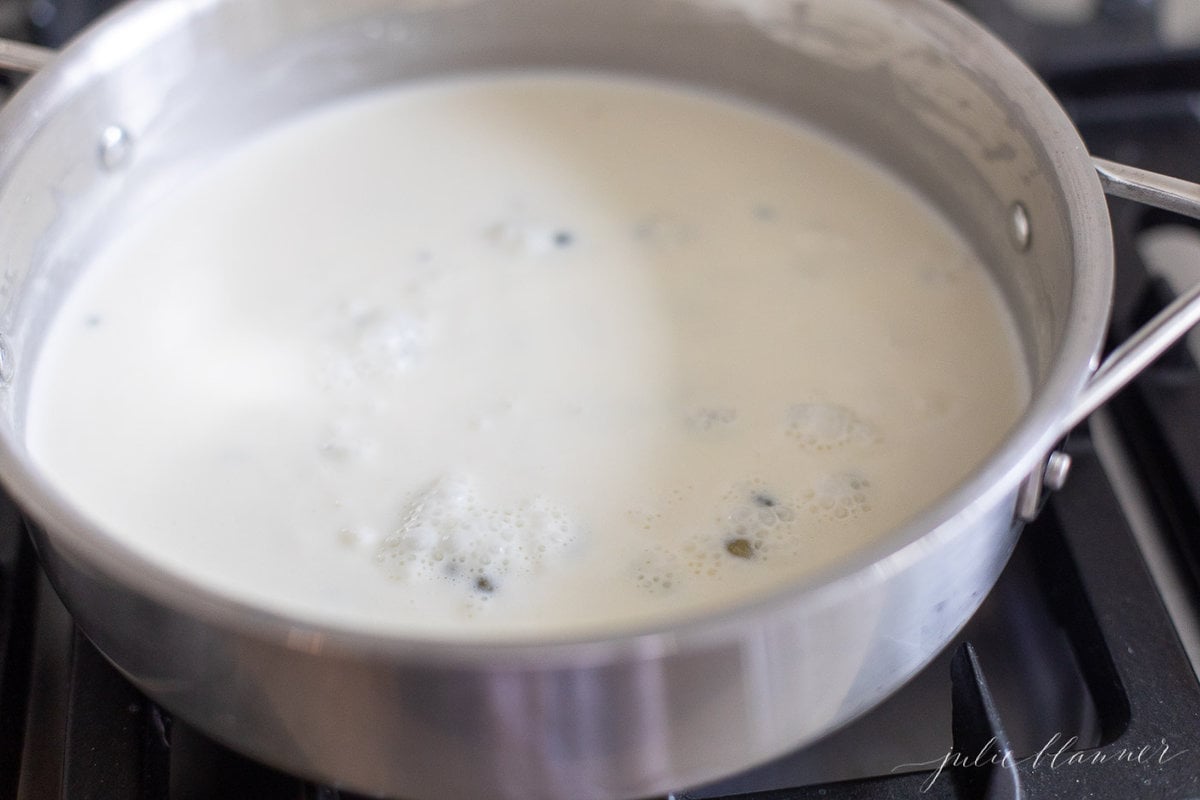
column 1157, row 336
column 1140, row 350
column 21, row 57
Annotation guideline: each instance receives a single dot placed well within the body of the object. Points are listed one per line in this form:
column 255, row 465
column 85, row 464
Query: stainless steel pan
column 154, row 92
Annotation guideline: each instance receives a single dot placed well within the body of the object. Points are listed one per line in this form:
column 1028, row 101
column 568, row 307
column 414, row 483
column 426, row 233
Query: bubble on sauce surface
column 367, row 342
column 753, row 524
column 448, row 532
column 841, row 496
column 710, row 418
column 758, row 522
column 657, row 571
column 827, row 426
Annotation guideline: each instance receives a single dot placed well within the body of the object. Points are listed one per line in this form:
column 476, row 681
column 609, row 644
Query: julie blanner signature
column 1056, row 753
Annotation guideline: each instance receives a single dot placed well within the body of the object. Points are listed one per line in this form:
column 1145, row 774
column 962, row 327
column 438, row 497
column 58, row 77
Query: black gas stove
column 1073, row 680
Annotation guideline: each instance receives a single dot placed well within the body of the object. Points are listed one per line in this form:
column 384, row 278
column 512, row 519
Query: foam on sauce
column 521, row 355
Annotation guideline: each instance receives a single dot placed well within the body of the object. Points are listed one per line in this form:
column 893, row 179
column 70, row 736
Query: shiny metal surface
column 910, row 83
column 22, row 57
column 1150, row 188
column 1168, row 326
column 1138, row 352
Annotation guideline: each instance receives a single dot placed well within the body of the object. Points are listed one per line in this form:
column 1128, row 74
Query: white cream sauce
column 522, row 355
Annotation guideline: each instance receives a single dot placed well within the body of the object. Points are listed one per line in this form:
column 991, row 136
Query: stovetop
column 1073, row 680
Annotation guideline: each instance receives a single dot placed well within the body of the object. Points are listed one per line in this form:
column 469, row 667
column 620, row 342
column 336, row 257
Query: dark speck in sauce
column 739, row 548
column 764, row 500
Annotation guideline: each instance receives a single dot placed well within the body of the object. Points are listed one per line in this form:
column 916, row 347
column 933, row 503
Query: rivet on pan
column 116, row 146
column 6, row 361
column 1058, row 466
column 1019, row 228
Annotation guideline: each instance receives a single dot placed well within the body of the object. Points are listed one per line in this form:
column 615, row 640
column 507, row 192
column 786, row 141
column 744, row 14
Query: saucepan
column 153, row 92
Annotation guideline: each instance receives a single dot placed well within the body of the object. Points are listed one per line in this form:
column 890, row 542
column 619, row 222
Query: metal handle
column 1169, row 325
column 21, row 57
